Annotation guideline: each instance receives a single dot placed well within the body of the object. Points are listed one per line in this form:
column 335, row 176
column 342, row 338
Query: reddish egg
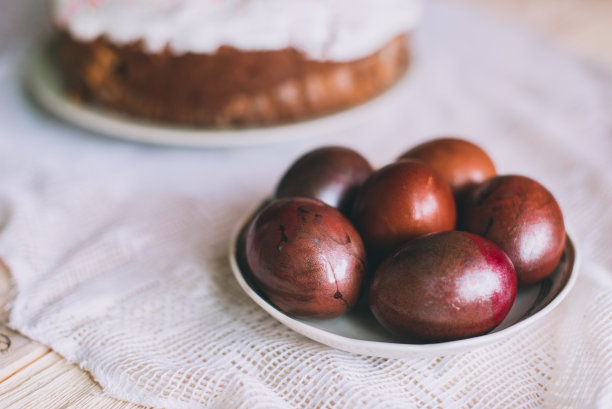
column 444, row 286
column 306, row 257
column 523, row 218
column 399, row 202
column 331, row 174
column 461, row 163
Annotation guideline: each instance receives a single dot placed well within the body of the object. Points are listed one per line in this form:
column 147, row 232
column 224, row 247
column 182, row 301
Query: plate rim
column 42, row 82
column 393, row 349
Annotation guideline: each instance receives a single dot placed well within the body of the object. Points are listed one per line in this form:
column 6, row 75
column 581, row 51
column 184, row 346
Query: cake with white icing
column 219, row 62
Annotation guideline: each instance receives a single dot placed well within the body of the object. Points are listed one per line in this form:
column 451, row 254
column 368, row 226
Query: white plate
column 44, row 84
column 358, row 331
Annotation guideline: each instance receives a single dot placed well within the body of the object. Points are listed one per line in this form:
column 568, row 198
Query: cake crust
column 228, row 87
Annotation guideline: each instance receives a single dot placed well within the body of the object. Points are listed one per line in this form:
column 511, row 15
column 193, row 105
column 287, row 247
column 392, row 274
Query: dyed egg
column 461, row 163
column 523, row 218
column 444, row 286
column 306, row 257
column 331, row 174
column 399, row 202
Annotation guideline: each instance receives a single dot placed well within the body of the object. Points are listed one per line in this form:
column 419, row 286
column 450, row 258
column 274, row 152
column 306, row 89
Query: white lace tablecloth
column 118, row 251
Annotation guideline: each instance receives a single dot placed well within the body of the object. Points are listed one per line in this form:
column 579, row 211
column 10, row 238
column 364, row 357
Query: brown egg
column 306, row 257
column 332, row 174
column 461, row 163
column 444, row 286
column 401, row 201
column 523, row 218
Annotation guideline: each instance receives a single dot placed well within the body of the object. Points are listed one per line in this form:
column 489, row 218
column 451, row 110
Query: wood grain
column 33, row 376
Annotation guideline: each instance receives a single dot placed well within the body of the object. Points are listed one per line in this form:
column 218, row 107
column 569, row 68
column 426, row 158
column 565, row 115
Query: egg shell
column 399, row 202
column 523, row 218
column 461, row 163
column 332, row 174
column 444, row 286
column 306, row 257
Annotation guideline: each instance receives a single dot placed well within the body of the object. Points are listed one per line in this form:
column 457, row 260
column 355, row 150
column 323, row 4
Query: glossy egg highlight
column 306, row 257
column 461, row 163
column 523, row 218
column 444, row 286
column 399, row 202
column 332, row 174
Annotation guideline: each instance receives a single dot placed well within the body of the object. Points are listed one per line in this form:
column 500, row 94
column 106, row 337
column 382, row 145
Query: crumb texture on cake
column 229, row 62
column 228, row 87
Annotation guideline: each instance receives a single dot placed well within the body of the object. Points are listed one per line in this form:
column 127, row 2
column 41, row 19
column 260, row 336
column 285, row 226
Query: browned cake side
column 228, row 87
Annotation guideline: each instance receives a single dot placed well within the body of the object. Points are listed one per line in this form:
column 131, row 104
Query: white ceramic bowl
column 359, row 332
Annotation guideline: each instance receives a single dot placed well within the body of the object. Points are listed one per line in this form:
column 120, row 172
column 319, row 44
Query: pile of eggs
column 436, row 241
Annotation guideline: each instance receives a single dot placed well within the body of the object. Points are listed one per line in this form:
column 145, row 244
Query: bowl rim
column 394, row 349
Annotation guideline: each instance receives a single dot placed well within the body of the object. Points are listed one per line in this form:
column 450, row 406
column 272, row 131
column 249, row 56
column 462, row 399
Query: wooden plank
column 17, row 352
column 6, row 285
column 31, row 375
column 13, row 384
column 51, row 382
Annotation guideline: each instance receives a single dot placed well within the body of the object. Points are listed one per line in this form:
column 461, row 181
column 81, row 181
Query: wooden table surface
column 33, row 376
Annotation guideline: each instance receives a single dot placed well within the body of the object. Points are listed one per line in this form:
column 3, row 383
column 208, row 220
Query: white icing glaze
column 336, row 30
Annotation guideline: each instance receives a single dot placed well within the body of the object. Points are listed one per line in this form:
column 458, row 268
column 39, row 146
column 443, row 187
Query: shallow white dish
column 358, row 331
column 43, row 82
